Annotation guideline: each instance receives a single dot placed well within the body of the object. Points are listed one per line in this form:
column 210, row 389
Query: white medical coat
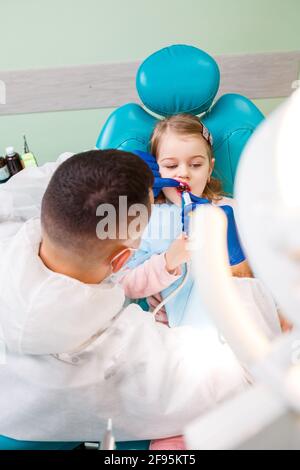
column 73, row 355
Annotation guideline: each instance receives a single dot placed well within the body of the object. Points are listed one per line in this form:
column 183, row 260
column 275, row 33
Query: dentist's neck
column 72, row 265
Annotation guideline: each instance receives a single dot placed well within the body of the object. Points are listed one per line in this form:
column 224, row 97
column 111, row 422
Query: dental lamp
column 267, row 192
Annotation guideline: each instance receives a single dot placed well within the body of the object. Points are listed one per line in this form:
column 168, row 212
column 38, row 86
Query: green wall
column 40, row 33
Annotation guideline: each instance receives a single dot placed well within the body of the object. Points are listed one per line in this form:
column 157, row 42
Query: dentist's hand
column 159, row 183
column 235, row 251
column 195, row 202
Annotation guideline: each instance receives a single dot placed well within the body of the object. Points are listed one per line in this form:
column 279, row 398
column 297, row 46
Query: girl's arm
column 148, row 278
column 157, row 273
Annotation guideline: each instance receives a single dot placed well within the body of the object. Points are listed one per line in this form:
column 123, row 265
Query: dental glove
column 235, row 251
column 159, row 182
column 189, row 203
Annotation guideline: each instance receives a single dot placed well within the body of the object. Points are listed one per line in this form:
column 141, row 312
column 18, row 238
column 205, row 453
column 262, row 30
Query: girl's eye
column 196, row 165
column 171, row 167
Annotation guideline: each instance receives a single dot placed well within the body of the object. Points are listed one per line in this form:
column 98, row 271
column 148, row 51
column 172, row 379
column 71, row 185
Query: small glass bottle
column 4, row 171
column 13, row 161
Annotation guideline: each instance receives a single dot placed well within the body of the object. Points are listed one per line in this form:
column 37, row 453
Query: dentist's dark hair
column 84, row 182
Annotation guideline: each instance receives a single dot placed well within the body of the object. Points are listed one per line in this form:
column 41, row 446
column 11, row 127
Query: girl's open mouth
column 183, row 187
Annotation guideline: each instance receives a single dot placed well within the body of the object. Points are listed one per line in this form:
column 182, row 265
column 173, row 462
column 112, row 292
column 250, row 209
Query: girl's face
column 185, row 159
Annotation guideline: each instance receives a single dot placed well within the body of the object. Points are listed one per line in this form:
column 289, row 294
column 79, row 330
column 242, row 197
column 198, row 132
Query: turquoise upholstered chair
column 184, row 79
column 13, row 444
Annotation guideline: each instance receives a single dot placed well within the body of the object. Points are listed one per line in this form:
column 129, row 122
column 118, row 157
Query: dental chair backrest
column 184, row 79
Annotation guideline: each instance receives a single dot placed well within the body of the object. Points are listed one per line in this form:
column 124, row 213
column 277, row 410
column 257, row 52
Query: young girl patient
column 183, row 150
column 182, row 147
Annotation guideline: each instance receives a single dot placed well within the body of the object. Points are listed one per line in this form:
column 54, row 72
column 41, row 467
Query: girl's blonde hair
column 188, row 125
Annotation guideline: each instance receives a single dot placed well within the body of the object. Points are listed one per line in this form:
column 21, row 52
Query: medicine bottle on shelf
column 13, row 161
column 4, row 171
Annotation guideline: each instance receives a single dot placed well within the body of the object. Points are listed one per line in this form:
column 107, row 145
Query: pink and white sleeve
column 148, row 279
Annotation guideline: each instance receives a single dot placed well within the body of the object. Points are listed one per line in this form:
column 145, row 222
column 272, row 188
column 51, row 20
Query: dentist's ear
column 119, row 259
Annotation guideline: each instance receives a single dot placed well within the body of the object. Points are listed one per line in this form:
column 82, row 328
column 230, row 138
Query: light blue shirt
column 165, row 225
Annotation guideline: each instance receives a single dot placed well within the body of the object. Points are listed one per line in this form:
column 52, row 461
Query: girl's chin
column 172, row 195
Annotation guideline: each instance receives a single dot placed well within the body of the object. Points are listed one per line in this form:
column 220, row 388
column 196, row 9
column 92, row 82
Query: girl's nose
column 183, row 171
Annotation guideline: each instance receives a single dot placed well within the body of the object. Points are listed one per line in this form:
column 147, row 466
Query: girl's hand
column 161, row 316
column 177, row 254
column 284, row 323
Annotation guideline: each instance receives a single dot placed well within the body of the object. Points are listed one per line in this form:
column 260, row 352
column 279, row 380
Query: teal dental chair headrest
column 178, row 79
column 184, row 79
